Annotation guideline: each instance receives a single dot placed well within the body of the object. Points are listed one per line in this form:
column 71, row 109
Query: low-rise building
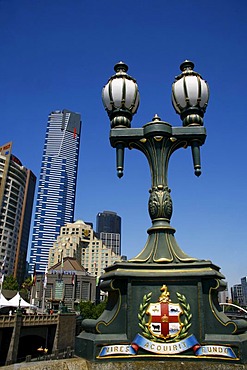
column 66, row 283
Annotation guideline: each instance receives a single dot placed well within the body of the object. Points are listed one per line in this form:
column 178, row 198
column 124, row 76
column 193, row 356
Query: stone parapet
column 82, row 364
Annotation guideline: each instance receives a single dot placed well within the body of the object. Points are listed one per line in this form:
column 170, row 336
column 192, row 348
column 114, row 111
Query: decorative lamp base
column 167, row 312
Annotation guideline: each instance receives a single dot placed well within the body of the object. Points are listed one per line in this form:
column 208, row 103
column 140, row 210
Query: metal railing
column 55, row 355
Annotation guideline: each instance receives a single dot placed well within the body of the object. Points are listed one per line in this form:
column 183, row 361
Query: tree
column 26, row 288
column 86, row 309
column 89, row 310
column 10, row 283
column 99, row 308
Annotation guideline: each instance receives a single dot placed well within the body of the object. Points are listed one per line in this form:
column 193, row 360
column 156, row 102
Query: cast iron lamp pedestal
column 161, row 266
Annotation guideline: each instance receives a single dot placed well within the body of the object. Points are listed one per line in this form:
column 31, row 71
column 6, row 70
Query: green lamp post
column 163, row 303
column 158, row 140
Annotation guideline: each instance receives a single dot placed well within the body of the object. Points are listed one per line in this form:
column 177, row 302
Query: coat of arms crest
column 164, row 317
column 164, row 324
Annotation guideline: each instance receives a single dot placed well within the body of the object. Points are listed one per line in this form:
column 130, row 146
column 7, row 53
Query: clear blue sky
column 57, row 54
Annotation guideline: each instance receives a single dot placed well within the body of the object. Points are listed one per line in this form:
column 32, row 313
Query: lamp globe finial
column 121, row 97
column 190, row 94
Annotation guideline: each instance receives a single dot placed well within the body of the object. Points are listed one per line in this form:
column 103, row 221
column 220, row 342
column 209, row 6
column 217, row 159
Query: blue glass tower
column 57, row 184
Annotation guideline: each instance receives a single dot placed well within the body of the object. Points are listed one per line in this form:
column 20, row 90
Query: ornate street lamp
column 158, row 140
column 185, row 320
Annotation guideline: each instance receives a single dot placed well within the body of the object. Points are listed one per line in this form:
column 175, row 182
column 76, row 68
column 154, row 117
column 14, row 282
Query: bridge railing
column 6, row 321
column 39, row 319
column 27, row 320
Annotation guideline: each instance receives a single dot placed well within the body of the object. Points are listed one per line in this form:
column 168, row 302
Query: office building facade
column 223, row 295
column 237, row 294
column 108, row 228
column 57, row 184
column 66, row 282
column 17, row 187
column 78, row 240
column 244, row 290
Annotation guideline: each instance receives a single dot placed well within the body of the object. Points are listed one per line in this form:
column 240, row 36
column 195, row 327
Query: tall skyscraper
column 108, row 228
column 17, row 186
column 57, row 184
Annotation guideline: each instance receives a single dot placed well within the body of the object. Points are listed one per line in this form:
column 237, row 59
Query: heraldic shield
column 164, row 317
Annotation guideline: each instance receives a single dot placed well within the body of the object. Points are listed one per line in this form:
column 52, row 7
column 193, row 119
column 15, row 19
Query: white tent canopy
column 18, row 301
column 3, row 301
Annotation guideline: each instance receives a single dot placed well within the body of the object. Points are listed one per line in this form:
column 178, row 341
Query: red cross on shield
column 164, row 320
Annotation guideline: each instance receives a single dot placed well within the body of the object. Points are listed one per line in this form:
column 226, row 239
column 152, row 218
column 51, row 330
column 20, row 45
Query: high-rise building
column 223, row 295
column 108, row 228
column 77, row 240
column 17, row 186
column 57, row 184
column 237, row 294
column 244, row 289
